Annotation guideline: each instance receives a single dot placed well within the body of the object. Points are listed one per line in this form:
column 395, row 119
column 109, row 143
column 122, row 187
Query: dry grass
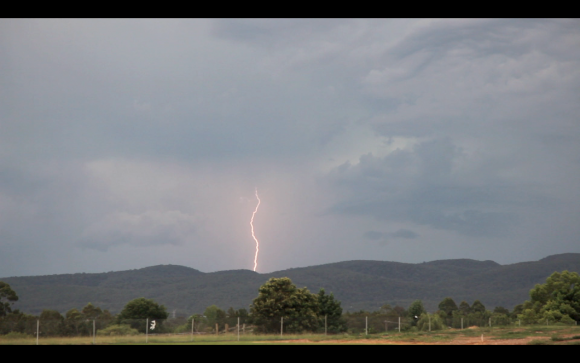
column 476, row 336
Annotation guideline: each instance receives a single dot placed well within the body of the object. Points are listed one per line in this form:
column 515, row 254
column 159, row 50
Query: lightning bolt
column 253, row 235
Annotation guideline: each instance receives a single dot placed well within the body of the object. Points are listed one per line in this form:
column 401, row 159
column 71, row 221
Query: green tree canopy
column 51, row 322
column 138, row 310
column 559, row 298
column 464, row 308
column 448, row 306
column 7, row 298
column 415, row 311
column 279, row 298
column 330, row 309
column 501, row 310
column 142, row 308
column 478, row 307
column 214, row 315
column 91, row 312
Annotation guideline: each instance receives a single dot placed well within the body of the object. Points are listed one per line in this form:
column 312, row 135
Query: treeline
column 281, row 306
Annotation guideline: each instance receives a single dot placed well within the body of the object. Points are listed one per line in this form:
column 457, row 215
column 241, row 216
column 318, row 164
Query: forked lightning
column 253, row 235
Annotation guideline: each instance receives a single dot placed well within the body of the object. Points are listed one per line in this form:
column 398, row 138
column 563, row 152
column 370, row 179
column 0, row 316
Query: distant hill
column 359, row 285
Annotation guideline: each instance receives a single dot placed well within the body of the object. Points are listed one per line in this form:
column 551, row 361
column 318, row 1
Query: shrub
column 16, row 335
column 116, row 330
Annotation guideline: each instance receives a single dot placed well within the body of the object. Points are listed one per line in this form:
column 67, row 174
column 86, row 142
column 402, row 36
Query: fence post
column 461, row 323
column 490, row 322
column 94, row 332
column 366, row 325
column 37, row 330
column 217, row 329
column 192, row 322
column 325, row 324
column 238, row 328
column 147, row 331
column 282, row 327
column 399, row 324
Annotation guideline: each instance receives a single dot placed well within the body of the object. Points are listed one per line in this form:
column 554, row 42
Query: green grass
column 541, row 335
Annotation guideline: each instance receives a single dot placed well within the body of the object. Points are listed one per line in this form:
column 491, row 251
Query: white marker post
column 366, row 325
column 37, row 330
column 282, row 328
column 429, row 316
column 325, row 324
column 94, row 332
column 238, row 328
column 399, row 324
column 192, row 322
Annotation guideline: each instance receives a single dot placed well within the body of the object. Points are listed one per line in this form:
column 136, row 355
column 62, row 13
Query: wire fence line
column 38, row 331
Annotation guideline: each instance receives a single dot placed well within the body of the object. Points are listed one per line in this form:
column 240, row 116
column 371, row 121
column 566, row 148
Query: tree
column 415, row 311
column 7, row 298
column 330, row 309
column 501, row 310
column 215, row 315
column 138, row 310
column 448, row 306
column 500, row 316
column 279, row 298
column 518, row 309
column 90, row 312
column 400, row 311
column 478, row 307
column 558, row 299
column 464, row 308
column 74, row 322
column 52, row 323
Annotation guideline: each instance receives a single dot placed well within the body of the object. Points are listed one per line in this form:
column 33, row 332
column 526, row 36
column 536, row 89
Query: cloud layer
column 128, row 143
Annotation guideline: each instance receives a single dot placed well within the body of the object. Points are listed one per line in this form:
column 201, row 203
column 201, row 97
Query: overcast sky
column 131, row 143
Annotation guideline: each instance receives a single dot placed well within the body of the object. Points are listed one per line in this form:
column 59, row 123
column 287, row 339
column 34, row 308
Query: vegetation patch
column 539, row 342
column 15, row 335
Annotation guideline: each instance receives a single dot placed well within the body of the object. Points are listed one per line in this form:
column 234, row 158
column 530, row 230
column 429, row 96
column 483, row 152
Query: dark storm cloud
column 421, row 186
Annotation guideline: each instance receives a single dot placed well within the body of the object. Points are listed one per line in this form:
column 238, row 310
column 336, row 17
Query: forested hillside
column 359, row 285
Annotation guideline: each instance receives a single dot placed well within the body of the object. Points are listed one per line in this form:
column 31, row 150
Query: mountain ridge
column 359, row 284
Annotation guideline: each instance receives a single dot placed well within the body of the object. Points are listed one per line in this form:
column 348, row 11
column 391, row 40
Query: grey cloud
column 483, row 112
column 405, row 233
column 421, row 186
column 373, row 235
column 270, row 31
column 145, row 229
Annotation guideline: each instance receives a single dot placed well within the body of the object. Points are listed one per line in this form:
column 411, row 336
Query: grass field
column 531, row 335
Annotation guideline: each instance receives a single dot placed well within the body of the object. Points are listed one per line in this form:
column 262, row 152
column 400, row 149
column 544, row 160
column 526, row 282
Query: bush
column 436, row 323
column 117, row 330
column 16, row 335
